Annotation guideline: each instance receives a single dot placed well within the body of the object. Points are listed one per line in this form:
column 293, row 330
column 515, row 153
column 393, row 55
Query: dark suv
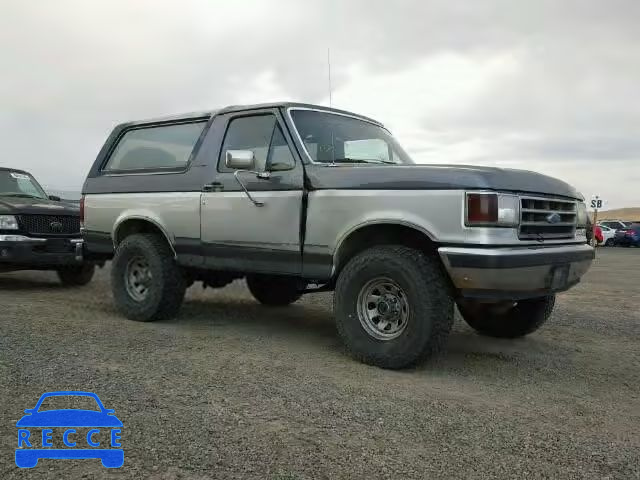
column 38, row 231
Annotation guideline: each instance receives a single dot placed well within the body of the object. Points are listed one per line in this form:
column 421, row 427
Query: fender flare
column 143, row 218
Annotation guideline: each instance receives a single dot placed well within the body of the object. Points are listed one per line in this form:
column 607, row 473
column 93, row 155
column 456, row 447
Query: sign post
column 596, row 204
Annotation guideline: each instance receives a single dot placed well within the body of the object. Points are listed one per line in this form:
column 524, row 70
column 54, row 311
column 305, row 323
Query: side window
column 280, row 157
column 161, row 147
column 262, row 135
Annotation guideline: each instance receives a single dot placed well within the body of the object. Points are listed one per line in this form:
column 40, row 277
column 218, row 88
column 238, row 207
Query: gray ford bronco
column 299, row 198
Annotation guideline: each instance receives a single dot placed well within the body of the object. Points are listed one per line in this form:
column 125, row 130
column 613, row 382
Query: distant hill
column 628, row 214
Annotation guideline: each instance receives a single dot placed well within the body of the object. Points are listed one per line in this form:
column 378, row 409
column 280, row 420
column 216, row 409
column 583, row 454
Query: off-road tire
column 428, row 296
column 524, row 318
column 273, row 290
column 169, row 285
column 76, row 276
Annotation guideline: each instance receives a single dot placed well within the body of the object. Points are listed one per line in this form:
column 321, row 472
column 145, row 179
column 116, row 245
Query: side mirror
column 55, row 198
column 109, row 411
column 29, row 410
column 240, row 159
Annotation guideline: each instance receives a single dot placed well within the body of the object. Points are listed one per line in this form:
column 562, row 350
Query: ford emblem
column 554, row 218
column 55, row 226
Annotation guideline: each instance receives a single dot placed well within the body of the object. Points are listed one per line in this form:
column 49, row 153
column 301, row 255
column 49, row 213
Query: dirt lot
column 235, row 390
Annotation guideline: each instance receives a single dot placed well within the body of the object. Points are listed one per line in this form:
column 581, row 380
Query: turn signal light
column 482, row 208
column 492, row 209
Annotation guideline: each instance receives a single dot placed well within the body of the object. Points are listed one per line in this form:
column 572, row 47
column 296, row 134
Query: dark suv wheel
column 393, row 306
column 147, row 283
column 76, row 276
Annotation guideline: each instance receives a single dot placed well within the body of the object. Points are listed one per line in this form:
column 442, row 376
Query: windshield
column 334, row 138
column 19, row 184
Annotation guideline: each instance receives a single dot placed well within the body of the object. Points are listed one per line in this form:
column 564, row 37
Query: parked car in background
column 628, row 237
column 607, row 235
column 614, row 224
column 39, row 231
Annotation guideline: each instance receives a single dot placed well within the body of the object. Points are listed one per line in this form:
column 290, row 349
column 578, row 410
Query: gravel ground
column 232, row 389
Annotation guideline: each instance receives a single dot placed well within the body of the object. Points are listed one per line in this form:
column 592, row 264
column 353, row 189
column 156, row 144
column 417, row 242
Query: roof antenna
column 329, row 65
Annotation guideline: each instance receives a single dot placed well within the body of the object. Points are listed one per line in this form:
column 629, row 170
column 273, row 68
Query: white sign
column 596, row 203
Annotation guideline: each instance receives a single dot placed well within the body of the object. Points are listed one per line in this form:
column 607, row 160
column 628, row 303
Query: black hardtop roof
column 240, row 108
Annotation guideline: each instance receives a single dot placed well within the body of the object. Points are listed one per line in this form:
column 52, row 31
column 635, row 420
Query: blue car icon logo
column 79, row 433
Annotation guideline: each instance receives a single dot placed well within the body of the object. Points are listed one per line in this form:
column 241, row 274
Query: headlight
column 8, row 222
column 492, row 210
column 582, row 215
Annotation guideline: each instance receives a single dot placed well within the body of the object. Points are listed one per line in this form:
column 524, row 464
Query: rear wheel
column 274, row 290
column 76, row 276
column 508, row 321
column 393, row 306
column 147, row 283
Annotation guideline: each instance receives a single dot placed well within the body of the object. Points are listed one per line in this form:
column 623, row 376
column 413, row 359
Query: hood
column 69, row 418
column 37, row 206
column 436, row 177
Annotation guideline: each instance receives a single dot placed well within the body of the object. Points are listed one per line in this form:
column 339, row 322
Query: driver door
column 236, row 233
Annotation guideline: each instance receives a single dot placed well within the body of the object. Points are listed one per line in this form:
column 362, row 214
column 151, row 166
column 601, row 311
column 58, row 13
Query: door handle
column 213, row 187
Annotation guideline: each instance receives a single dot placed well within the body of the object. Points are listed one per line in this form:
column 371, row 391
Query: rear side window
column 159, row 147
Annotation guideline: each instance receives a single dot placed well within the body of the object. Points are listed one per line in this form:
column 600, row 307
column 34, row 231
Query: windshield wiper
column 361, row 160
column 21, row 195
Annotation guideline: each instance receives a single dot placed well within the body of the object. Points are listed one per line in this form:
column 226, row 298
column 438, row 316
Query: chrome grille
column 50, row 224
column 536, row 213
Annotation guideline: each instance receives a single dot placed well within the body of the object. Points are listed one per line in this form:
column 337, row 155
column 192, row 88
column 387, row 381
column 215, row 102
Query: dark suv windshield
column 334, row 138
column 19, row 184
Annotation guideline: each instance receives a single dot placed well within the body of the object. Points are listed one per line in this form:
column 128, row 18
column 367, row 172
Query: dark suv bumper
column 18, row 252
column 516, row 272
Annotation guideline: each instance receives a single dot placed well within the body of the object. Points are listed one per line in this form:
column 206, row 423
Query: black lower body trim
column 239, row 258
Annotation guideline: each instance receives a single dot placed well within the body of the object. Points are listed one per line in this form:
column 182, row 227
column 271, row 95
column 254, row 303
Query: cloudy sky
column 543, row 85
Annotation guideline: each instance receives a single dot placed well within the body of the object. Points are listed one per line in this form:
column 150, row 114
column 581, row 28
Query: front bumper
column 18, row 252
column 516, row 272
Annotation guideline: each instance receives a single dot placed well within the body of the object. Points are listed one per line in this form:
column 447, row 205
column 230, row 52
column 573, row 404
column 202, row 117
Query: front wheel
column 393, row 306
column 76, row 276
column 510, row 321
column 146, row 281
column 609, row 242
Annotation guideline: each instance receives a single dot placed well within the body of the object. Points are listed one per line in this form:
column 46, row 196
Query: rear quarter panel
column 176, row 213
